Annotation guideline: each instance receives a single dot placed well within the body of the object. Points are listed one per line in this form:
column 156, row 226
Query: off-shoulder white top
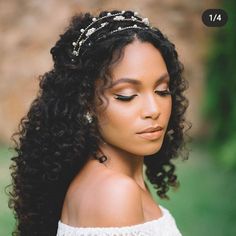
column 163, row 226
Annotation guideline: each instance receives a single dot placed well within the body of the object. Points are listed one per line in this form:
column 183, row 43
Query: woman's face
column 137, row 100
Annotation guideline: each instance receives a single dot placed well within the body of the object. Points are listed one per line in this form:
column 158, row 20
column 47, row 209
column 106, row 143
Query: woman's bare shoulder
column 108, row 199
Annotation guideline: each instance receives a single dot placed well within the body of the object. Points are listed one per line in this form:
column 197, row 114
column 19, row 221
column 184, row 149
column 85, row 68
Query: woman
column 112, row 103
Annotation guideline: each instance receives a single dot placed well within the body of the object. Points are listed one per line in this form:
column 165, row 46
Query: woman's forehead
column 138, row 60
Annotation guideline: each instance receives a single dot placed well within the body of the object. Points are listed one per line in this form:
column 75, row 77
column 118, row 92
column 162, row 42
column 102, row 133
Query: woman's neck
column 123, row 162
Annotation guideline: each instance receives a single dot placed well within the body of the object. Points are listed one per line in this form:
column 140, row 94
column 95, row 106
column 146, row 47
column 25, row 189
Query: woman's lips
column 151, row 135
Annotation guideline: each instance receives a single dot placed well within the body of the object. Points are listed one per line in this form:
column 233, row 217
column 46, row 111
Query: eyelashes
column 124, row 98
column 162, row 93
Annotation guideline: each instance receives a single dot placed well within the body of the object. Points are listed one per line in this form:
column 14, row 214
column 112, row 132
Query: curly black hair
column 54, row 140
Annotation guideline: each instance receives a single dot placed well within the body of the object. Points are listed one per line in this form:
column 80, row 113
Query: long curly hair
column 54, row 140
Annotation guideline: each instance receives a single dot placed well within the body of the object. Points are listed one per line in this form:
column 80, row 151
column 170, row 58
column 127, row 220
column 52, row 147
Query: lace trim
column 145, row 229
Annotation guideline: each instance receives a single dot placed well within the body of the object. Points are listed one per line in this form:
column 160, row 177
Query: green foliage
column 219, row 104
column 7, row 221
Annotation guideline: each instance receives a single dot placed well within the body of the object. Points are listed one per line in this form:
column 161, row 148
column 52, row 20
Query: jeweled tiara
column 90, row 30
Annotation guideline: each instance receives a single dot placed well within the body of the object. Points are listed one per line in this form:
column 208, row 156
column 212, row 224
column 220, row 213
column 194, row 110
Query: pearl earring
column 88, row 117
column 170, row 134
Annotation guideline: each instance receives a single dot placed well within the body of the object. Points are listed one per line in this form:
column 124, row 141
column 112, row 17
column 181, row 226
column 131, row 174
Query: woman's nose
column 150, row 107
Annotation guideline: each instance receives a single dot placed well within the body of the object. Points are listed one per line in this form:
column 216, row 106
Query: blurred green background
column 203, row 205
column 205, row 202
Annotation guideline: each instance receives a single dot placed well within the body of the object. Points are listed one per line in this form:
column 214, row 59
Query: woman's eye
column 163, row 92
column 124, row 98
column 129, row 98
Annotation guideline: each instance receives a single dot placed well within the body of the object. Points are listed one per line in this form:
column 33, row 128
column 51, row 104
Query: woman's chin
column 148, row 152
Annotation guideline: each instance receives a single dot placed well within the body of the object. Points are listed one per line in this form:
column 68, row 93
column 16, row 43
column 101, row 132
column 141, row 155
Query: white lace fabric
column 163, row 226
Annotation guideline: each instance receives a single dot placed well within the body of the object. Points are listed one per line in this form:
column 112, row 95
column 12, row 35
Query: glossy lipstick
column 151, row 133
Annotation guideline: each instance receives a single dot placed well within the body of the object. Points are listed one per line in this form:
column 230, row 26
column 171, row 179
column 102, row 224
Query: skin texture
column 129, row 202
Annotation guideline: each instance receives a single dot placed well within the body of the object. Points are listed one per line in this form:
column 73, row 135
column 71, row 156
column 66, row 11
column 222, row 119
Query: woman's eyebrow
column 162, row 78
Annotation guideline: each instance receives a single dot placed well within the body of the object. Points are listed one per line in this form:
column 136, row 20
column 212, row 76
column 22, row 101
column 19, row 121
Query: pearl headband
column 89, row 30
